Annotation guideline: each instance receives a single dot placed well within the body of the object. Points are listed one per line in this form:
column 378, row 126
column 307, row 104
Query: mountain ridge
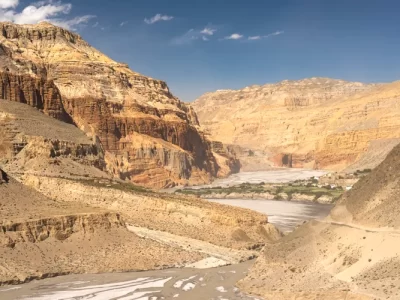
column 312, row 123
column 56, row 71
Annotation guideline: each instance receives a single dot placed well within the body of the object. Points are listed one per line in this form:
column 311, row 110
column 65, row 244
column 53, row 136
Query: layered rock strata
column 40, row 238
column 33, row 143
column 57, row 72
column 314, row 123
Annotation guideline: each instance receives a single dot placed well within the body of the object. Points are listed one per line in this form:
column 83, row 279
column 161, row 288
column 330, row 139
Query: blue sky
column 291, row 39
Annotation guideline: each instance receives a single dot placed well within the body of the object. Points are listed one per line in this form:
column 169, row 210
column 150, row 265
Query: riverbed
column 282, row 175
column 285, row 215
column 192, row 284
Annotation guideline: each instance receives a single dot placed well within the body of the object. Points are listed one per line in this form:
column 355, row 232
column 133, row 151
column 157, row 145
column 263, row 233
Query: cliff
column 60, row 161
column 57, row 72
column 315, row 123
column 33, row 143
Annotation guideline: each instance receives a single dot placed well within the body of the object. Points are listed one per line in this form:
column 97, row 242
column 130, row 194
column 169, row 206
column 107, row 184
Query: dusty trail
column 219, row 256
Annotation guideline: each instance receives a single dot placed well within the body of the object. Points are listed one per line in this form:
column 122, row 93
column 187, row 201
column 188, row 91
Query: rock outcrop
column 315, row 123
column 149, row 136
column 226, row 158
column 41, row 238
column 33, row 143
column 352, row 254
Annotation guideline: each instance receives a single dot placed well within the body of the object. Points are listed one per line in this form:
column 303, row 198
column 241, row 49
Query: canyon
column 318, row 123
column 148, row 136
column 87, row 145
column 55, row 195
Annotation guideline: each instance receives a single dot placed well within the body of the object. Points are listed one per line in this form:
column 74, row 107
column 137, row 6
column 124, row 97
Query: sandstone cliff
column 352, row 254
column 149, row 136
column 315, row 123
column 61, row 162
column 33, row 143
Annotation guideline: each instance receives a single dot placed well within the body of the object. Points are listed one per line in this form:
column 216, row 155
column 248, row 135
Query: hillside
column 352, row 254
column 54, row 195
column 149, row 137
column 42, row 238
column 315, row 123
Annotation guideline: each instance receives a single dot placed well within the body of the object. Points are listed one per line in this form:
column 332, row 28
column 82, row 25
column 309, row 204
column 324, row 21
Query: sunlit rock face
column 315, row 123
column 135, row 117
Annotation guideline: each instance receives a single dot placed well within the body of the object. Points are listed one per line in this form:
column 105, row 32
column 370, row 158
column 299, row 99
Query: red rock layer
column 34, row 91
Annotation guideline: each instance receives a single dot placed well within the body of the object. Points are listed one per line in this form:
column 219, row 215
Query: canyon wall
column 314, row 123
column 148, row 135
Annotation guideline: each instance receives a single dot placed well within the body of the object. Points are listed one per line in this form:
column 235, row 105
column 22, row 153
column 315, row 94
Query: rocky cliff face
column 315, row 123
column 57, row 72
column 33, row 143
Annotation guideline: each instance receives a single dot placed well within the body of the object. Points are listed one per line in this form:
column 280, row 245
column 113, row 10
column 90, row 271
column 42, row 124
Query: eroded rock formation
column 41, row 238
column 315, row 123
column 57, row 72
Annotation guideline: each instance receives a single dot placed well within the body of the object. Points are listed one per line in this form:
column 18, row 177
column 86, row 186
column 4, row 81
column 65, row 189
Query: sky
column 200, row 46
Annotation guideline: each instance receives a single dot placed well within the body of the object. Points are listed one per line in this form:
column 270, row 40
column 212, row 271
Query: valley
column 210, row 278
column 113, row 188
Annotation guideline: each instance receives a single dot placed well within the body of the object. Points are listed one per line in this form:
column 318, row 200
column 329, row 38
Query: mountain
column 54, row 195
column 352, row 254
column 148, row 136
column 315, row 123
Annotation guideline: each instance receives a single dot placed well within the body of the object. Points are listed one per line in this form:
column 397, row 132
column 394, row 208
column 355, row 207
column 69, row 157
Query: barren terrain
column 317, row 123
column 352, row 254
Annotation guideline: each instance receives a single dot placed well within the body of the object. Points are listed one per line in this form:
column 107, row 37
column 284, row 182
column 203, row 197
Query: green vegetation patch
column 308, row 188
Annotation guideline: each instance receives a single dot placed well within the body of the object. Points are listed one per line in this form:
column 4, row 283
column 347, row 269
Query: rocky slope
column 41, row 237
column 352, row 254
column 33, row 143
column 148, row 135
column 315, row 123
column 60, row 161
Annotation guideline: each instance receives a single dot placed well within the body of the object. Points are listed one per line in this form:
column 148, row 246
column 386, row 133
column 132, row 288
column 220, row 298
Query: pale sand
column 285, row 215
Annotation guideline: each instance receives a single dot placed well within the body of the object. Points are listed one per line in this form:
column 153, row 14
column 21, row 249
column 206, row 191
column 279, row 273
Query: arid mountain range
column 54, row 195
column 81, row 135
column 314, row 123
column 77, row 130
column 147, row 135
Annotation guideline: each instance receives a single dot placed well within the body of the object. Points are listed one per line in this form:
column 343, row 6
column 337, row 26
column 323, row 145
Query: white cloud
column 158, row 18
column 49, row 10
column 8, row 3
column 259, row 37
column 72, row 23
column 234, row 36
column 95, row 25
column 193, row 35
column 274, row 34
column 208, row 31
column 123, row 23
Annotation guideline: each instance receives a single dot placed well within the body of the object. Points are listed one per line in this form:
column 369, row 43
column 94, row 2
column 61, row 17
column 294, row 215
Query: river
column 181, row 284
